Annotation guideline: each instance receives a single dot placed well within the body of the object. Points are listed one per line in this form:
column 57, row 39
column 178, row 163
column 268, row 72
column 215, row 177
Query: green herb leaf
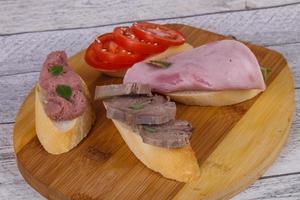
column 150, row 129
column 265, row 72
column 159, row 63
column 64, row 91
column 136, row 106
column 56, row 70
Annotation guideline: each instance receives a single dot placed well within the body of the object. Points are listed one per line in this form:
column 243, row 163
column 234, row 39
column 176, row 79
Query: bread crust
column 179, row 164
column 213, row 98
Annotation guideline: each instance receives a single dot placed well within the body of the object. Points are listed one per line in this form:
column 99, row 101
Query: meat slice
column 173, row 134
column 216, row 66
column 107, row 91
column 135, row 110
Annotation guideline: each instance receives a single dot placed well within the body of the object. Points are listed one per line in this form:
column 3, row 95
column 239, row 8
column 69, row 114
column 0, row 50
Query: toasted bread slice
column 60, row 137
column 213, row 98
column 179, row 164
column 170, row 52
column 118, row 73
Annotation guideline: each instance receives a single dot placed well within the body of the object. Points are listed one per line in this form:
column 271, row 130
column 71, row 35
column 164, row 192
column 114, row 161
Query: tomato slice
column 157, row 33
column 124, row 37
column 107, row 50
column 92, row 60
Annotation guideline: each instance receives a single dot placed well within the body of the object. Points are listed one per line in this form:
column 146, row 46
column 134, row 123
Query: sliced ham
column 216, row 66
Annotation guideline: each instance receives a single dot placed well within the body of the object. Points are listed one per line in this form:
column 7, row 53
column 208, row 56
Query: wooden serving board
column 234, row 145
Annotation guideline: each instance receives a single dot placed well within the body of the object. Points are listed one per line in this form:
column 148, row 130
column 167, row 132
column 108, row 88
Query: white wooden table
column 29, row 30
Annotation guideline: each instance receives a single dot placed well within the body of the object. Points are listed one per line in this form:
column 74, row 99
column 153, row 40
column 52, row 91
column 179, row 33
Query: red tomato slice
column 92, row 60
column 157, row 33
column 124, row 37
column 109, row 51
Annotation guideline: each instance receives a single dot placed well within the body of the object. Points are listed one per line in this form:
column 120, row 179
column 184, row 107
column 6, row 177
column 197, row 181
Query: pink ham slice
column 216, row 66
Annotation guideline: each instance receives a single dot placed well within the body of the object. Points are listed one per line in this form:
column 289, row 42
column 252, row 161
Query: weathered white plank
column 6, row 136
column 12, row 185
column 289, row 159
column 279, row 188
column 13, row 90
column 26, row 52
column 291, row 53
column 23, row 16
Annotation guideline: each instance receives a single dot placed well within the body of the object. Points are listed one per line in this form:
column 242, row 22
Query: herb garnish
column 56, row 70
column 150, row 129
column 136, row 106
column 64, row 91
column 265, row 72
column 159, row 63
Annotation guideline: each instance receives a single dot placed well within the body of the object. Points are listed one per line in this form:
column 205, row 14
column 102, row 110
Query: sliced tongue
column 151, row 117
column 107, row 91
column 173, row 134
column 140, row 109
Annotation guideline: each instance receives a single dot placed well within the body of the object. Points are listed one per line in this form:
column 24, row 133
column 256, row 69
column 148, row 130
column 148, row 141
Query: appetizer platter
column 154, row 111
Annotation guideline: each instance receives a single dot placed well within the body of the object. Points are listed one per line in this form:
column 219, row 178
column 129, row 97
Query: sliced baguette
column 61, row 137
column 211, row 98
column 118, row 74
column 170, row 51
column 179, row 164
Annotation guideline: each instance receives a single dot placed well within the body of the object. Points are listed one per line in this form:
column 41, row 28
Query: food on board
column 63, row 111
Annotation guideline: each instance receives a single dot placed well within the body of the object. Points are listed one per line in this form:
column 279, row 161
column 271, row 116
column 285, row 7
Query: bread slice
column 60, row 137
column 205, row 98
column 117, row 74
column 213, row 98
column 179, row 164
column 170, row 51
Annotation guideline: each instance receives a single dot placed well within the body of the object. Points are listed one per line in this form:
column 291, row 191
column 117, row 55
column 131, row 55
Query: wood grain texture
column 280, row 188
column 12, row 184
column 25, row 52
column 214, row 125
column 19, row 16
column 230, row 167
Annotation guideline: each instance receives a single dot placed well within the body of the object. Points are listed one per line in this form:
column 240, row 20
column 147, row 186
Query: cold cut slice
column 173, row 134
column 216, row 66
column 107, row 91
column 140, row 109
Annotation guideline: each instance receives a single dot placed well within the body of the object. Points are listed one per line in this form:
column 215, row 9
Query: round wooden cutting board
column 234, row 145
